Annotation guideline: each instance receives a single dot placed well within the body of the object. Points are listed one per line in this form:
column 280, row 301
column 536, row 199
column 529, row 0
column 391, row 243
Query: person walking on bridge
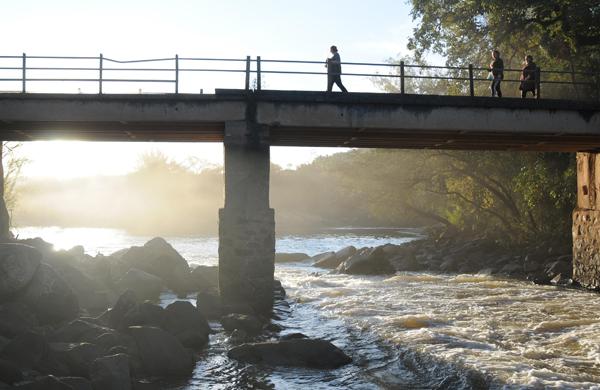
column 334, row 70
column 497, row 71
column 528, row 77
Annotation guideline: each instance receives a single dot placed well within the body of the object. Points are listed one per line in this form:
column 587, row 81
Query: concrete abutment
column 246, row 223
column 586, row 222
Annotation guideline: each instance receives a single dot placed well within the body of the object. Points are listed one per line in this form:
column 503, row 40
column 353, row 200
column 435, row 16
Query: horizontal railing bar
column 19, row 79
column 59, row 57
column 214, row 59
column 136, row 61
column 105, row 80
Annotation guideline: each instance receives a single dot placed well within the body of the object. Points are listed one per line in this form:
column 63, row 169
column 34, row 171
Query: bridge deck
column 297, row 118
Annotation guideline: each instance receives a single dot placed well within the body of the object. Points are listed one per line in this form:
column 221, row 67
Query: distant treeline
column 511, row 196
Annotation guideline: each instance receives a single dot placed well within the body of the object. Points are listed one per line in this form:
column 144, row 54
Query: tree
column 8, row 180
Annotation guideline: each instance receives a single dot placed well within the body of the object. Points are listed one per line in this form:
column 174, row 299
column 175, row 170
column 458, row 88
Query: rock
column 209, row 304
column 158, row 258
column 16, row 318
column 563, row 267
column 111, row 372
column 38, row 243
column 324, row 260
column 161, row 353
column 185, row 322
column 50, row 297
column 345, row 253
column 127, row 301
column 27, row 350
column 406, row 262
column 10, row 372
column 205, row 277
column 91, row 294
column 48, row 382
column 77, row 357
column 450, row 263
column 18, row 265
column 248, row 323
column 146, row 286
column 295, row 352
column 79, row 330
column 512, row 268
column 108, row 341
column 146, row 313
column 77, row 383
column 290, row 257
column 278, row 290
column 293, row 336
column 329, row 261
column 560, row 280
column 144, row 385
column 367, row 261
column 238, row 308
column 238, row 336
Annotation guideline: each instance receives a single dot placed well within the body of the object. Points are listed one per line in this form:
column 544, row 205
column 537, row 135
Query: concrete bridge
column 249, row 122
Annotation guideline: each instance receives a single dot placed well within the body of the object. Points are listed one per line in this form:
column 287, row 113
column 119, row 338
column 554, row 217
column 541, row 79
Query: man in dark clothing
column 334, row 70
column 497, row 71
column 528, row 77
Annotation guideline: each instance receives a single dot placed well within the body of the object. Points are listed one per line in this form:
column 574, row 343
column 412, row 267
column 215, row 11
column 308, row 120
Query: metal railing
column 398, row 76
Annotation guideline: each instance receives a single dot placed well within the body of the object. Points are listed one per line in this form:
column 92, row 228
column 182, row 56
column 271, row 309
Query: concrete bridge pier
column 586, row 222
column 246, row 223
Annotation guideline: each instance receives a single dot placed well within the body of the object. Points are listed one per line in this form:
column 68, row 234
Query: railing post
column 471, row 82
column 176, row 73
column 258, row 76
column 100, row 75
column 247, row 84
column 24, row 76
column 538, row 81
column 402, row 77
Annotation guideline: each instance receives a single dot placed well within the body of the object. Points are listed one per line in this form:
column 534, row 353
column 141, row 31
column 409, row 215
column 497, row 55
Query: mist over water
column 409, row 331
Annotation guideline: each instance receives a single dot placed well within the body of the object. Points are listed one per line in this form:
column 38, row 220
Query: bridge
column 249, row 121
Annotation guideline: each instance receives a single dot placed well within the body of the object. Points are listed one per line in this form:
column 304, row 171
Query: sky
column 364, row 31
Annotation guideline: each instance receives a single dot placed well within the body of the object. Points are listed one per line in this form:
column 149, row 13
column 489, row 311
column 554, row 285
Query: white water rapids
column 410, row 330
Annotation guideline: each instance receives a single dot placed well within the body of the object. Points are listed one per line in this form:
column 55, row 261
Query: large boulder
column 248, row 323
column 127, row 301
column 16, row 318
column 563, row 266
column 18, row 265
column 48, row 382
column 294, row 352
column 111, row 372
column 367, row 261
column 50, row 297
column 77, row 382
column 184, row 321
column 10, row 372
column 31, row 351
column 146, row 313
column 79, row 330
column 209, row 304
column 145, row 285
column 282, row 257
column 77, row 357
column 161, row 353
column 205, row 277
column 159, row 258
column 328, row 260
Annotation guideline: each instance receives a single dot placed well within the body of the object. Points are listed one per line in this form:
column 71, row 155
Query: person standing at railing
column 334, row 70
column 528, row 77
column 497, row 71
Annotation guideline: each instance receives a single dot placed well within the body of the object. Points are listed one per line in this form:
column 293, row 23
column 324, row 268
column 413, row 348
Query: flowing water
column 406, row 331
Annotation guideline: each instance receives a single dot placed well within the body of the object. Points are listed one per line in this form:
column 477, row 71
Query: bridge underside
column 308, row 119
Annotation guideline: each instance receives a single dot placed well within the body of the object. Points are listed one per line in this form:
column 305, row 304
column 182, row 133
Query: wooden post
column 471, row 82
column 402, row 77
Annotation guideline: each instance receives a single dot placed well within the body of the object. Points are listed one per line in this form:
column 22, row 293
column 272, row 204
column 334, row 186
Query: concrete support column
column 246, row 223
column 586, row 221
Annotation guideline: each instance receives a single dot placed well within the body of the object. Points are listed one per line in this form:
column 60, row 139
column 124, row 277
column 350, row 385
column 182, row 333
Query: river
column 407, row 331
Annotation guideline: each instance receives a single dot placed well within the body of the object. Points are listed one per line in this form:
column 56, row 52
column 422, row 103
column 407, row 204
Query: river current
column 406, row 331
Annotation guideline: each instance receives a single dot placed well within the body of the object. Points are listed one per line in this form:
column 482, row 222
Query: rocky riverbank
column 450, row 252
column 72, row 321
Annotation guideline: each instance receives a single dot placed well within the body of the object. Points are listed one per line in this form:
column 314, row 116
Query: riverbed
column 412, row 330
